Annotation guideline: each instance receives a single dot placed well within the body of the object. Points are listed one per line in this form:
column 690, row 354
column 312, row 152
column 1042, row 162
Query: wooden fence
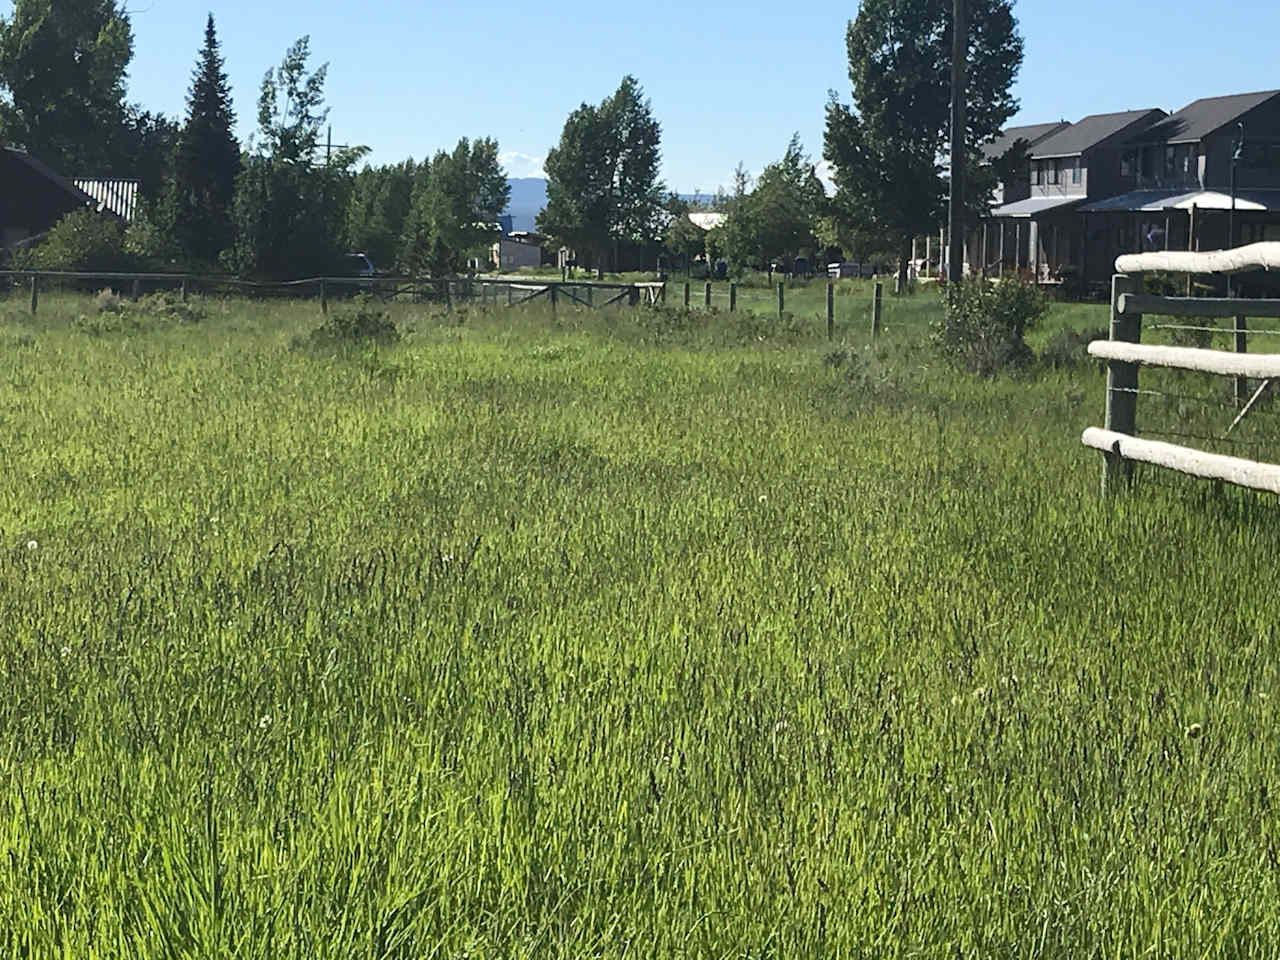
column 447, row 290
column 1125, row 354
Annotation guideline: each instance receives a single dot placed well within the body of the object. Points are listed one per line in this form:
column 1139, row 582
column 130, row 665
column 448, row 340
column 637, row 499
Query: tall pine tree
column 207, row 160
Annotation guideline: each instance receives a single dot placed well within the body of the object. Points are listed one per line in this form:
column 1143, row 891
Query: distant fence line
column 1124, row 354
column 495, row 290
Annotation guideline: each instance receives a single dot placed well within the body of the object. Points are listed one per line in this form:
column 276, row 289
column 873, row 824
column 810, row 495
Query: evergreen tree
column 207, row 159
column 62, row 82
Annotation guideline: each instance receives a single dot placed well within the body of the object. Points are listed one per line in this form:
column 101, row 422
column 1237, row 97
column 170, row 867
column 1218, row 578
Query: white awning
column 1153, row 201
column 1034, row 206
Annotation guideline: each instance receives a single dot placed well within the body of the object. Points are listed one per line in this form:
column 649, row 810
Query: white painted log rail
column 1210, row 466
column 1125, row 355
column 1254, row 256
column 1260, row 366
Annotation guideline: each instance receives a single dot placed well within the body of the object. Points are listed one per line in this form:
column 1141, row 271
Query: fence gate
column 1125, row 353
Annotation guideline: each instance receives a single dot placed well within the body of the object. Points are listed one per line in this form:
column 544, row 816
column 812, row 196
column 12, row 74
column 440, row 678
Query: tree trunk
column 904, row 255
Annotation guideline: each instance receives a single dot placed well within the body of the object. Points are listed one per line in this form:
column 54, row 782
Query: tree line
column 284, row 204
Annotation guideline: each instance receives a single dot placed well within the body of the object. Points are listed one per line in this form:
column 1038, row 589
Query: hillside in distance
column 529, row 196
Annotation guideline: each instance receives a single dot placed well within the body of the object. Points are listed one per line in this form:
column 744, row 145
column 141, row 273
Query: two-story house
column 1177, row 177
column 1071, row 167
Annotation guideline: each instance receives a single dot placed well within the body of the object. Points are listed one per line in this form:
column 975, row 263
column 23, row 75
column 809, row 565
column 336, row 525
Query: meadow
column 642, row 634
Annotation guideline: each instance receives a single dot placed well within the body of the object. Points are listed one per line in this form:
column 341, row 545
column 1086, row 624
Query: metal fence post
column 781, row 297
column 733, row 297
column 136, row 288
column 706, row 296
column 831, row 310
column 35, row 292
column 686, row 294
column 1122, row 381
column 184, row 289
column 1242, row 346
column 324, row 296
column 877, row 307
column 554, row 287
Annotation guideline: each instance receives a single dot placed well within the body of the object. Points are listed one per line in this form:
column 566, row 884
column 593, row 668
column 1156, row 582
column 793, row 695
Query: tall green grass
column 611, row 635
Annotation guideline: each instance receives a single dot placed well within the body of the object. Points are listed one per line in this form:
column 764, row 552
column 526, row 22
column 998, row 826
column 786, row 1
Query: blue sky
column 729, row 81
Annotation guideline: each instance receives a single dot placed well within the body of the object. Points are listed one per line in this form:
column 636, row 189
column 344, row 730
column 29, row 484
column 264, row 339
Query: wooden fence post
column 686, row 294
column 554, row 288
column 706, row 297
column 1122, row 381
column 324, row 296
column 591, row 297
column 831, row 310
column 184, row 290
column 35, row 293
column 733, row 296
column 877, row 307
column 136, row 289
column 781, row 297
column 510, row 295
column 633, row 296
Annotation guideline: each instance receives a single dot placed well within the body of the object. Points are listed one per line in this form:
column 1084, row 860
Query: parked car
column 358, row 265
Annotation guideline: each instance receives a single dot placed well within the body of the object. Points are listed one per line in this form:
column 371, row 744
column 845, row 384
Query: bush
column 360, row 323
column 982, row 325
column 83, row 240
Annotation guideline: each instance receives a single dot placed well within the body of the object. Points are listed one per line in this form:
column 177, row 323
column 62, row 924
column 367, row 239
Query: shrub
column 108, row 301
column 83, row 240
column 360, row 323
column 982, row 324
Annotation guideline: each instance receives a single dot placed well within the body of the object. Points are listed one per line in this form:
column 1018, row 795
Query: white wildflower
column 33, row 545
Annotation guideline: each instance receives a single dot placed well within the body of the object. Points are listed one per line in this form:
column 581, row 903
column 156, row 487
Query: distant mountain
column 528, row 197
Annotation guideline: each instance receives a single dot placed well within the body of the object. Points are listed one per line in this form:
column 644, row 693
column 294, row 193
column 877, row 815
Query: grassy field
column 604, row 635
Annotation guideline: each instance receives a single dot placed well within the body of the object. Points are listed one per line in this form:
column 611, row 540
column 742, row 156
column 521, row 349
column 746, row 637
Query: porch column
column 1017, row 246
column 1000, row 270
column 983, row 255
column 1034, row 233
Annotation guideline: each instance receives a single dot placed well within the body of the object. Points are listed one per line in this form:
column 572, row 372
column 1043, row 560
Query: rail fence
column 497, row 290
column 1125, row 354
column 446, row 290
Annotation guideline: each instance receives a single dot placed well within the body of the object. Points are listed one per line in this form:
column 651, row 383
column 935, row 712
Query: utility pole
column 955, row 204
column 1236, row 153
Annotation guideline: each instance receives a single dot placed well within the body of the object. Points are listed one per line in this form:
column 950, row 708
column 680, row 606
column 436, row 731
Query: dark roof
column 1197, row 120
column 1032, row 134
column 27, row 160
column 1093, row 130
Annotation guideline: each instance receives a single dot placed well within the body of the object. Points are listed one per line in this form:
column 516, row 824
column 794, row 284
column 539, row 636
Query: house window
column 1037, row 173
column 1129, row 163
column 1170, row 161
column 1075, row 171
column 1055, row 172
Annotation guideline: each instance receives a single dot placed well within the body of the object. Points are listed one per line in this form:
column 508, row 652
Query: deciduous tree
column 602, row 177
column 62, row 82
column 887, row 147
column 289, row 208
